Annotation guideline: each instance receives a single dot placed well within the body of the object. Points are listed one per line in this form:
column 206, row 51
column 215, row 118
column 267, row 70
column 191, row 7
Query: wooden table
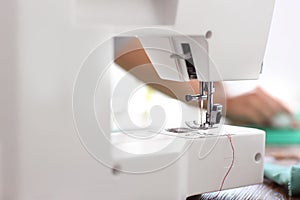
column 264, row 191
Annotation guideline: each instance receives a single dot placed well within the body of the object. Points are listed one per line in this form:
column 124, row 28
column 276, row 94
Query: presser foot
column 197, row 126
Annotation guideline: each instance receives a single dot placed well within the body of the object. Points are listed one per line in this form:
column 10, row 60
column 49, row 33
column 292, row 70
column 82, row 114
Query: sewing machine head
column 176, row 57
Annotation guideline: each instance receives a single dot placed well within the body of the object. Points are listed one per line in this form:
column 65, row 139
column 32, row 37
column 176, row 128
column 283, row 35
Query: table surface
column 266, row 190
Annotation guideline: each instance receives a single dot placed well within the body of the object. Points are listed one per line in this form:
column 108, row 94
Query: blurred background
column 280, row 76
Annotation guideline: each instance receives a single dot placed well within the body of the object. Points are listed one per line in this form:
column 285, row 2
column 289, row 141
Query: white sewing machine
column 46, row 87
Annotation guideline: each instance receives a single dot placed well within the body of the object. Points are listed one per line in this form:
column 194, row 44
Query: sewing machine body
column 44, row 152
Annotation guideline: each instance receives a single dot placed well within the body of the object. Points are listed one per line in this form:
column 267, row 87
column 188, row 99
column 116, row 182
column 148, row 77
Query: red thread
column 230, row 167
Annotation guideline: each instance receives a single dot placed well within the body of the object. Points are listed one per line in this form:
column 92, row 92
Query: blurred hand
column 256, row 108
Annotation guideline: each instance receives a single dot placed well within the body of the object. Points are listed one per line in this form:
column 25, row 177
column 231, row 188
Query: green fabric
column 294, row 186
column 283, row 136
column 289, row 177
